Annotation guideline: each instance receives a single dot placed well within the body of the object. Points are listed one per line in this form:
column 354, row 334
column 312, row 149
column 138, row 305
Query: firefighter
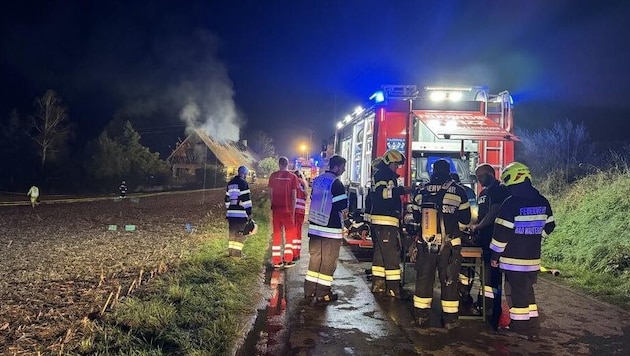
column 385, row 218
column 300, row 212
column 524, row 219
column 440, row 206
column 490, row 199
column 33, row 194
column 328, row 210
column 283, row 185
column 466, row 274
column 368, row 195
column 238, row 203
column 122, row 189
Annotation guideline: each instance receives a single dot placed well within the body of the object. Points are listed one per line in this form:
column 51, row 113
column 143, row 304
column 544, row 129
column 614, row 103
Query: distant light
column 378, row 97
column 358, row 110
column 339, row 125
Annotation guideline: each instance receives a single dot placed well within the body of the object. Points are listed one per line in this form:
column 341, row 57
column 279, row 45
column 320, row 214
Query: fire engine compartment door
column 463, row 126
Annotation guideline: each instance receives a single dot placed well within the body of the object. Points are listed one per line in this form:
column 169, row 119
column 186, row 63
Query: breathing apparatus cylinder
column 430, row 223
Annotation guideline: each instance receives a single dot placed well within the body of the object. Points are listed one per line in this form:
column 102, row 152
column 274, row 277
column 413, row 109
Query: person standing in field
column 238, row 204
column 33, row 194
column 122, row 189
column 283, row 186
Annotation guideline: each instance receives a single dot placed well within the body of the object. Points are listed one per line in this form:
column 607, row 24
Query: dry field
column 61, row 266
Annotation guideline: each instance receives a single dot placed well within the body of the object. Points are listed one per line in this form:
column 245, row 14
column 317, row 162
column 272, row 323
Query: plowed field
column 62, row 263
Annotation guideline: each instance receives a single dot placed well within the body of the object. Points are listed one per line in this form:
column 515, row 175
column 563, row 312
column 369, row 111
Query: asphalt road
column 361, row 324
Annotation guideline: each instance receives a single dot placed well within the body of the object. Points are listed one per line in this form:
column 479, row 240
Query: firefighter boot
column 399, row 293
column 378, row 285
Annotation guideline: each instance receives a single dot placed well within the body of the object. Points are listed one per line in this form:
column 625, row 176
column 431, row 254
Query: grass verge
column 591, row 244
column 197, row 309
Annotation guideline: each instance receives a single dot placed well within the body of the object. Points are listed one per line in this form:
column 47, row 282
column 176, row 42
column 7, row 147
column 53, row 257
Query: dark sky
column 288, row 67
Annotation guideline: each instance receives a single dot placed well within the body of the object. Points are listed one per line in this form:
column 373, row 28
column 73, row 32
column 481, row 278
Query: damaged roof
column 228, row 152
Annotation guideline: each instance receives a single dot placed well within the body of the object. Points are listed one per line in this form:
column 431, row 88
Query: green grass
column 197, row 309
column 591, row 243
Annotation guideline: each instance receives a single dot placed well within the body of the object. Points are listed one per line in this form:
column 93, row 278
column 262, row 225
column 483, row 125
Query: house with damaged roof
column 199, row 152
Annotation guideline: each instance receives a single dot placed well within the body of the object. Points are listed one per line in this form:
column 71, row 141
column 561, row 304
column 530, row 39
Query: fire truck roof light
column 347, row 119
column 449, row 88
column 339, row 125
column 446, row 95
column 378, row 97
column 358, row 110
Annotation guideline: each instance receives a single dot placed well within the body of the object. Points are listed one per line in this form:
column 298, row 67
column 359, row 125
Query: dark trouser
column 519, row 292
column 466, row 278
column 321, row 265
column 426, row 265
column 386, row 260
column 492, row 291
column 235, row 236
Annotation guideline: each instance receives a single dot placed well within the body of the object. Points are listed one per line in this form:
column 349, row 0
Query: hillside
column 591, row 244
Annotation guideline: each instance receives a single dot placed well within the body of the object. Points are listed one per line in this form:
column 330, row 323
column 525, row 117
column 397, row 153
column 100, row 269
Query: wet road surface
column 360, row 323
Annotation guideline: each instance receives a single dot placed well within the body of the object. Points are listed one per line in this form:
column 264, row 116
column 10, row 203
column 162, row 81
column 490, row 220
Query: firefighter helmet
column 250, row 228
column 393, row 156
column 376, row 161
column 515, row 173
column 243, row 170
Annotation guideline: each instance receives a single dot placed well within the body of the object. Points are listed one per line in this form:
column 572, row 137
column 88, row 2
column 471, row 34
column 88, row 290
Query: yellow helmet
column 393, row 156
column 515, row 173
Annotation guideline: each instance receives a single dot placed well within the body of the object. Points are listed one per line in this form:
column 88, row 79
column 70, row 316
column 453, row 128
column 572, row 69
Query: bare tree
column 562, row 148
column 262, row 144
column 51, row 127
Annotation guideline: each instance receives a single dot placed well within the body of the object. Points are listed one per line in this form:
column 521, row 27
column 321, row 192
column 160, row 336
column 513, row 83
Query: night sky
column 287, row 67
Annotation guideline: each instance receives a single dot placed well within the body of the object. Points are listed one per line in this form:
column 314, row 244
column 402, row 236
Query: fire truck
column 466, row 125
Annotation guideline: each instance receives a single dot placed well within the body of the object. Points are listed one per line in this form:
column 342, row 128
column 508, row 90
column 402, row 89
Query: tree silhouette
column 51, row 127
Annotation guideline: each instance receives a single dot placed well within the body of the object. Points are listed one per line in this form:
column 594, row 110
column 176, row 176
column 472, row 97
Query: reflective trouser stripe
column 378, row 271
column 450, row 306
column 235, row 245
column 421, row 303
column 392, row 274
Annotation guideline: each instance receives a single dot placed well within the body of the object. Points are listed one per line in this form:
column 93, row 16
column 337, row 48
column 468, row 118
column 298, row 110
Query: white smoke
column 208, row 95
column 211, row 108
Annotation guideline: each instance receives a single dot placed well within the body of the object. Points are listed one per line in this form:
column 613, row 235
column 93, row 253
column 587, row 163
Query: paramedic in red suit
column 300, row 212
column 283, row 185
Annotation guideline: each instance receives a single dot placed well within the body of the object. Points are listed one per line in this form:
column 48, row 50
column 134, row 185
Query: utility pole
column 310, row 145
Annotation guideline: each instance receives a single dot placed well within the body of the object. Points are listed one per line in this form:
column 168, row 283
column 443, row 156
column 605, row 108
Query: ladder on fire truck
column 497, row 148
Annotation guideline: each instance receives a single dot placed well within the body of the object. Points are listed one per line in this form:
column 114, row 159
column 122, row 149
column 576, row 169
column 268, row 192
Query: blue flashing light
column 378, row 97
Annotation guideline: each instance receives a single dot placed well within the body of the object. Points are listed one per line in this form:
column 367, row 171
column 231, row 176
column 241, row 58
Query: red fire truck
column 466, row 125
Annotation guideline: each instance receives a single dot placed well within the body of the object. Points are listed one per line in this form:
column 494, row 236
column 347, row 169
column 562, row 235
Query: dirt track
column 60, row 263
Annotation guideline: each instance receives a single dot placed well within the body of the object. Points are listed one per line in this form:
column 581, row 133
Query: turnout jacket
column 238, row 200
column 385, row 198
column 455, row 206
column 523, row 220
column 494, row 194
column 328, row 200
